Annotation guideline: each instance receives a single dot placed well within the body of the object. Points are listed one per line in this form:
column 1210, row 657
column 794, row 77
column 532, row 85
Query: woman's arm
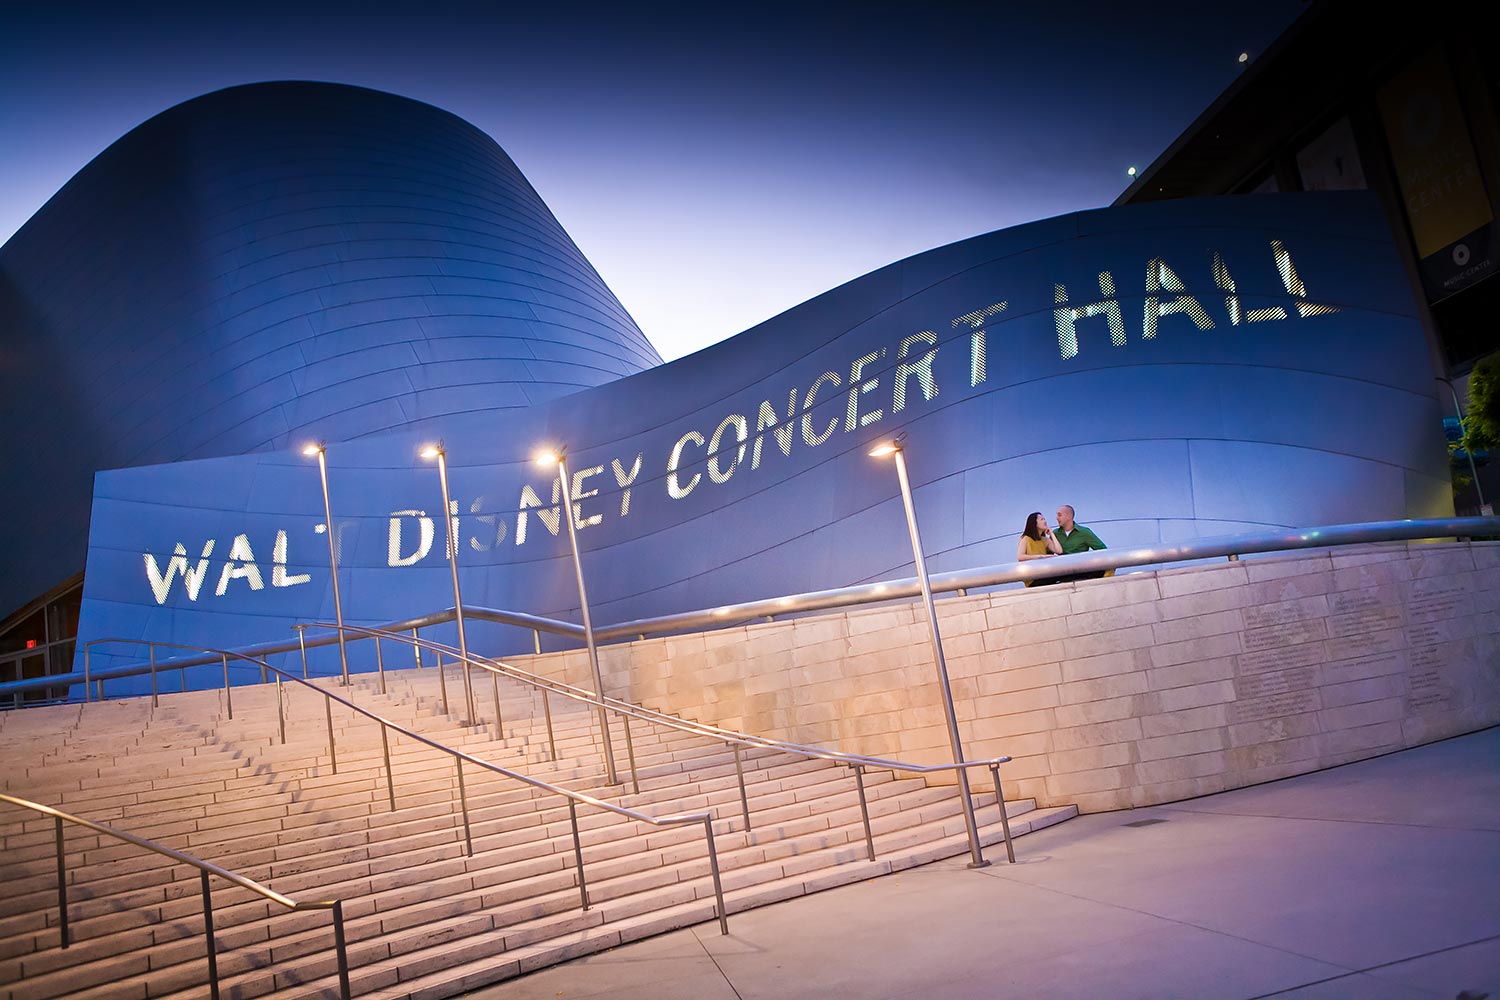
column 1053, row 544
column 1022, row 555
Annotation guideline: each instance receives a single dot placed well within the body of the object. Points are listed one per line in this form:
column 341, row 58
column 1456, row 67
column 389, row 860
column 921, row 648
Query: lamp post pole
column 896, row 449
column 319, row 449
column 436, row 451
column 583, row 604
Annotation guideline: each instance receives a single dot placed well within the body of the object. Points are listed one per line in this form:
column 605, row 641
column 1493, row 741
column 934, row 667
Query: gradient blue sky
column 717, row 165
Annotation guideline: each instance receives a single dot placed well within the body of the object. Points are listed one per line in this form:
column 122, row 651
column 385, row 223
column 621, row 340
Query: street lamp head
column 548, row 457
column 432, row 450
column 885, row 448
column 311, row 449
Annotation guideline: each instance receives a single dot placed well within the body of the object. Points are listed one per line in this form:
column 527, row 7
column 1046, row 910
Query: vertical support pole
column 1010, row 847
column 864, row 809
column 442, row 682
column 62, row 884
column 280, row 710
column 87, row 649
column 713, row 866
column 449, row 516
column 328, row 714
column 635, row 779
column 739, row 771
column 390, row 778
column 341, row 950
column 547, row 710
column 569, row 515
column 262, row 670
column 208, row 934
column 302, row 645
column 155, row 703
column 333, row 563
column 463, row 806
column 228, row 698
column 536, row 641
column 416, row 650
column 966, row 801
column 380, row 664
column 583, row 888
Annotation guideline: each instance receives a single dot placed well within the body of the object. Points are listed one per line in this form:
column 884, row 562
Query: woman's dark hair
column 1032, row 531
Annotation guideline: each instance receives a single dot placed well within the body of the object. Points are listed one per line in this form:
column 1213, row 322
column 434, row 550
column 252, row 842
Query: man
column 1073, row 536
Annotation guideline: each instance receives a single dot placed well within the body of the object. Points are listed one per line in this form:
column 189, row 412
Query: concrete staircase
column 423, row 918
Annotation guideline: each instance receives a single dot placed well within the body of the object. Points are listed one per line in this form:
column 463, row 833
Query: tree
column 1482, row 423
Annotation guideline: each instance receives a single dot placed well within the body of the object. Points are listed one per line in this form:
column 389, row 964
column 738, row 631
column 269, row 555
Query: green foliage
column 1482, row 422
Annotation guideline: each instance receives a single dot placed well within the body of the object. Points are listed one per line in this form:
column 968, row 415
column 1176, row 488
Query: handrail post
column 328, row 714
column 536, row 641
column 635, row 779
column 442, row 682
column 302, row 645
column 583, row 888
column 380, row 667
column 62, row 885
column 208, row 934
column 713, row 866
column 341, row 950
column 262, row 671
column 228, row 698
column 1010, row 849
column 547, row 710
column 88, row 648
column 739, row 771
column 495, row 690
column 155, row 703
column 463, row 806
column 416, row 650
column 280, row 710
column 864, row 809
column 390, row 779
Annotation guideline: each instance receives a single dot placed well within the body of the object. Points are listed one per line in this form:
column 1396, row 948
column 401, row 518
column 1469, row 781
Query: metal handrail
column 735, row 740
column 205, row 869
column 574, row 798
column 955, row 581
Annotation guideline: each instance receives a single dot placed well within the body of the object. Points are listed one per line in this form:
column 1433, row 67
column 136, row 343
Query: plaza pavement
column 1374, row 881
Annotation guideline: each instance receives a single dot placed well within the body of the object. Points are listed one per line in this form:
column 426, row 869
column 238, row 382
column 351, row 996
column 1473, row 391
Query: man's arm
column 1093, row 540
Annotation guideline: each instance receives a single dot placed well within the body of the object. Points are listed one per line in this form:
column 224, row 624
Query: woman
column 1037, row 542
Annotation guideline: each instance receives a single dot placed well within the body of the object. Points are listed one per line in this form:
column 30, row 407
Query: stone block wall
column 1145, row 688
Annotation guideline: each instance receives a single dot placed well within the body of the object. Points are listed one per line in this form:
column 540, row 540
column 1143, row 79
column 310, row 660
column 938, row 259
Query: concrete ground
column 1378, row 881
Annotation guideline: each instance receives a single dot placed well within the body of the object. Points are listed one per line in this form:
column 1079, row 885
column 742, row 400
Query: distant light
column 1244, row 58
column 1130, row 172
column 312, row 449
column 431, row 451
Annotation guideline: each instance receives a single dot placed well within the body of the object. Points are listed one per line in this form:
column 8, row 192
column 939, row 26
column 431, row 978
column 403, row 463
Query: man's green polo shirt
column 1081, row 540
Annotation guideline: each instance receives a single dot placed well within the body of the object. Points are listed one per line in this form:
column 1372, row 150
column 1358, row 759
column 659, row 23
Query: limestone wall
column 1142, row 689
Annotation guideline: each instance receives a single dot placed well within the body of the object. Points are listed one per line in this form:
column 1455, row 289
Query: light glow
column 431, row 451
column 312, row 449
column 547, row 457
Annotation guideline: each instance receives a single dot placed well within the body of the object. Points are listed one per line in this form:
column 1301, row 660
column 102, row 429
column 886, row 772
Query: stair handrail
column 628, row 710
column 205, row 869
column 574, row 798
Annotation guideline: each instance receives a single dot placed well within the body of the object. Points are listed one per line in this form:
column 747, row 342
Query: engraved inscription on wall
column 1275, row 705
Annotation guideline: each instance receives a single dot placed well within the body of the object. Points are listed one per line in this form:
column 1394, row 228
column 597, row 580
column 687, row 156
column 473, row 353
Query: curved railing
column 574, row 798
column 957, row 581
column 204, row 870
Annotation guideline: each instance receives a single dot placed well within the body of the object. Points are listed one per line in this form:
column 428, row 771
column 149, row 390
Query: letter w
column 161, row 584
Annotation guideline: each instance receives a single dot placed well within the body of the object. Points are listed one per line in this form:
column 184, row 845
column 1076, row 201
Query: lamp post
column 558, row 457
column 333, row 560
column 1459, row 410
column 436, row 451
column 895, row 448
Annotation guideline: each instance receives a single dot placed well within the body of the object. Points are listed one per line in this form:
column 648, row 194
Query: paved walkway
column 1378, row 881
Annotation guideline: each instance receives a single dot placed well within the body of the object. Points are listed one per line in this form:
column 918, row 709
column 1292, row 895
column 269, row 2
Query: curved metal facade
column 271, row 262
column 1172, row 370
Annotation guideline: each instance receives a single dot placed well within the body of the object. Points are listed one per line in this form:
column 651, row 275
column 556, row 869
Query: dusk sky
column 717, row 165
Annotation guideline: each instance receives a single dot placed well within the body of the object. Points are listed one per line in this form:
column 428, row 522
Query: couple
column 1038, row 541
